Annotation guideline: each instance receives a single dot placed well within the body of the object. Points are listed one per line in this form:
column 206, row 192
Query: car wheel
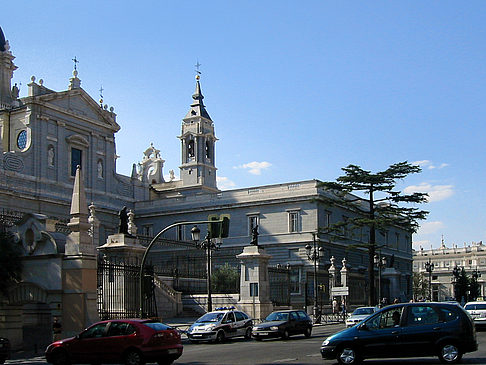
column 220, row 337
column 134, row 357
column 347, row 356
column 449, row 354
column 308, row 332
column 285, row 335
column 248, row 333
column 61, row 358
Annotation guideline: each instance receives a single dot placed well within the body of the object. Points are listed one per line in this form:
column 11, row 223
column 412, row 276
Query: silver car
column 359, row 314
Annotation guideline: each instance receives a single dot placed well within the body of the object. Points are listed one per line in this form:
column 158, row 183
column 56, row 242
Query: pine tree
column 380, row 210
column 10, row 262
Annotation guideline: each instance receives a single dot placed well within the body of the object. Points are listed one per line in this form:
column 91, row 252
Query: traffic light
column 225, row 225
column 220, row 228
column 214, row 229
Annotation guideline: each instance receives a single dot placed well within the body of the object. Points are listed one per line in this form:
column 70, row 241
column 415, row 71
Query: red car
column 128, row 341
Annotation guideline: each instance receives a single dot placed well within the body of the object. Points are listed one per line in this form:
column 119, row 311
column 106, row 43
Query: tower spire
column 7, row 69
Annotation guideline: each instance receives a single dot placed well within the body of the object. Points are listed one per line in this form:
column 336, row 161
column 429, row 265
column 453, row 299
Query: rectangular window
column 397, row 240
column 328, row 220
column 293, row 222
column 147, row 230
column 253, row 221
column 386, row 238
column 295, row 281
column 76, row 160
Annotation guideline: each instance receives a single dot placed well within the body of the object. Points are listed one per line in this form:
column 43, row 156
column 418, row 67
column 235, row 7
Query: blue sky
column 296, row 89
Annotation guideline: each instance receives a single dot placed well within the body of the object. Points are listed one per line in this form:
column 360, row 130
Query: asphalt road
column 297, row 350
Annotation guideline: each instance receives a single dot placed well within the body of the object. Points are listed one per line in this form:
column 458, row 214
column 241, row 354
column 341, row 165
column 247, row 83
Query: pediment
column 78, row 103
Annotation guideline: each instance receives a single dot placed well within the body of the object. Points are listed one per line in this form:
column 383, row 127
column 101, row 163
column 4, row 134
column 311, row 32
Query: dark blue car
column 445, row 330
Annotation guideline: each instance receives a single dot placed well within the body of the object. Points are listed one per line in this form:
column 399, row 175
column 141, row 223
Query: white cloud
column 224, row 183
column 430, row 227
column 255, row 167
column 423, row 243
column 429, row 165
column 436, row 192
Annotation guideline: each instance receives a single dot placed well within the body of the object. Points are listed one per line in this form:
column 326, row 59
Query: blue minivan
column 445, row 330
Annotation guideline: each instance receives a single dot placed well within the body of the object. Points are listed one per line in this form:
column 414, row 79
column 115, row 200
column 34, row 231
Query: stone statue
column 50, row 156
column 15, row 92
column 171, row 175
column 123, row 228
column 254, row 236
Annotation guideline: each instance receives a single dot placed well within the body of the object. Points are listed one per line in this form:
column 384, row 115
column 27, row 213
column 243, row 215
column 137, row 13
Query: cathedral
column 48, row 134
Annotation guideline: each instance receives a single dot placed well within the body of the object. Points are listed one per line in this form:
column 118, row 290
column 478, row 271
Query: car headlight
column 274, row 328
column 210, row 327
column 326, row 342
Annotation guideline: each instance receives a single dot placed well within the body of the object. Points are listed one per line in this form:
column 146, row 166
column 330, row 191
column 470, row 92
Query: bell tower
column 7, row 67
column 198, row 170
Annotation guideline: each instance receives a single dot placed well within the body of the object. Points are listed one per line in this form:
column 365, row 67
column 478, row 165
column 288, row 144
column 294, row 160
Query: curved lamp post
column 314, row 254
column 380, row 262
column 195, row 233
column 429, row 267
column 208, row 245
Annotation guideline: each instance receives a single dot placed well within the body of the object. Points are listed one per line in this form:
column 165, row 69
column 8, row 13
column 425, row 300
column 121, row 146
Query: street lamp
column 313, row 253
column 209, row 244
column 380, row 262
column 455, row 277
column 195, row 233
column 429, row 267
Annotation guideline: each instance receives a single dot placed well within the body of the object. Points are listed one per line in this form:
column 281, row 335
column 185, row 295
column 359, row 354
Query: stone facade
column 471, row 257
column 47, row 134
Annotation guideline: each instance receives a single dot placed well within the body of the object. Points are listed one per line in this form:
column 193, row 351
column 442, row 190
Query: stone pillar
column 79, row 268
column 344, row 273
column 393, row 277
column 332, row 274
column 254, row 282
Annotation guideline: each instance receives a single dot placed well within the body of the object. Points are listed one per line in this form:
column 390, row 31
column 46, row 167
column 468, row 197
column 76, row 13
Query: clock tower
column 198, row 170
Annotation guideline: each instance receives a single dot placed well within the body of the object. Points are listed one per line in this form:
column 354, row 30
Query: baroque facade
column 471, row 257
column 46, row 135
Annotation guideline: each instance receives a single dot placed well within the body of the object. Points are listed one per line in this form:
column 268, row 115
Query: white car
column 221, row 324
column 359, row 314
column 477, row 310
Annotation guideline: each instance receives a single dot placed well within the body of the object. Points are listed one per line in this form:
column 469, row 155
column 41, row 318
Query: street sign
column 340, row 291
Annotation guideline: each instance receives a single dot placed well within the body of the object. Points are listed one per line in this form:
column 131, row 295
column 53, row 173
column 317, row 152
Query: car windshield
column 363, row 311
column 277, row 316
column 210, row 317
column 476, row 306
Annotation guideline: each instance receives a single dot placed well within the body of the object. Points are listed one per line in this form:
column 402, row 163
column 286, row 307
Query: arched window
column 208, row 150
column 190, row 148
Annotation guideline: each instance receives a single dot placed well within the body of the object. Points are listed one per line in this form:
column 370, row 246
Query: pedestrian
column 56, row 329
column 335, row 307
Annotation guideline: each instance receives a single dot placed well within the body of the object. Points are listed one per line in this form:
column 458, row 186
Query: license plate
column 173, row 351
column 196, row 335
column 263, row 333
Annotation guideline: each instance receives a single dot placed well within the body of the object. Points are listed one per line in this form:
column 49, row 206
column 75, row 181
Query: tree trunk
column 371, row 253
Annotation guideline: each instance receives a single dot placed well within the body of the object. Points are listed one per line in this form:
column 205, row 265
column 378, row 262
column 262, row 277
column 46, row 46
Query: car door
column 378, row 336
column 240, row 323
column 294, row 323
column 89, row 345
column 118, row 338
column 229, row 324
column 422, row 329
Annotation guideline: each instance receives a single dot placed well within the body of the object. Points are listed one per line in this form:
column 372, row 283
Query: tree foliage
column 420, row 286
column 384, row 207
column 225, row 279
column 10, row 262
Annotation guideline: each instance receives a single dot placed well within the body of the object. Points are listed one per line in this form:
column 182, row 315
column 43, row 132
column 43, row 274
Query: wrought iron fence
column 118, row 290
column 279, row 278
